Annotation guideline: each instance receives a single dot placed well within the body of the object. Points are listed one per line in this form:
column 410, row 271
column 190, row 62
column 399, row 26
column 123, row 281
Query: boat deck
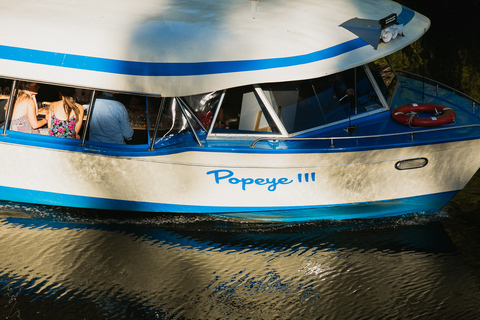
column 382, row 131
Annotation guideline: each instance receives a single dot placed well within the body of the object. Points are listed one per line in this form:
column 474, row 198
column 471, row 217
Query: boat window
column 174, row 126
column 203, row 106
column 172, row 120
column 35, row 98
column 141, row 112
column 243, row 112
column 153, row 106
column 137, row 113
column 5, row 88
column 134, row 112
column 307, row 104
column 122, row 118
column 386, row 78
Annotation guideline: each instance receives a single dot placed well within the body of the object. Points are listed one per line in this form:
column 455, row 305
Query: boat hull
column 329, row 184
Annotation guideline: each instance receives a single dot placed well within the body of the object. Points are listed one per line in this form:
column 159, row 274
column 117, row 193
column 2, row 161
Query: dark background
column 450, row 53
column 450, row 50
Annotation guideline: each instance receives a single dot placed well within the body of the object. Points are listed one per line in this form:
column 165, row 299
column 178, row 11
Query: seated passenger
column 109, row 121
column 336, row 82
column 65, row 116
column 24, row 117
column 82, row 96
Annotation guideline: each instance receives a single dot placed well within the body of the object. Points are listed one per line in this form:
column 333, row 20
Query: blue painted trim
column 405, row 16
column 213, row 146
column 433, row 202
column 165, row 69
column 367, row 210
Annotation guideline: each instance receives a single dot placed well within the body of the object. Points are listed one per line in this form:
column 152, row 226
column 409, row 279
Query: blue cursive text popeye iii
column 228, row 176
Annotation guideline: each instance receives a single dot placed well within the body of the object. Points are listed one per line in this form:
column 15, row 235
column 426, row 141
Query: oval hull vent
column 411, row 164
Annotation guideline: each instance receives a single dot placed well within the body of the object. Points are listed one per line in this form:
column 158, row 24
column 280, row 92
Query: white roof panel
column 183, row 47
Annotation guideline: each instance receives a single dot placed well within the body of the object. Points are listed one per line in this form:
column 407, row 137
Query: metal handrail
column 411, row 133
column 332, row 145
column 89, row 117
column 192, row 128
column 191, row 113
column 10, row 106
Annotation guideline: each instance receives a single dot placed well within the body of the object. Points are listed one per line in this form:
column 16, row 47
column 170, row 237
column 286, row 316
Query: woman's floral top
column 22, row 125
column 62, row 128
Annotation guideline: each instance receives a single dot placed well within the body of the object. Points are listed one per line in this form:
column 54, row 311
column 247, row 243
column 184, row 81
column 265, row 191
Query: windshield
column 307, row 104
column 303, row 105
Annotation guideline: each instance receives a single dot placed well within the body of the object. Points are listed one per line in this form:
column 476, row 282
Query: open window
column 243, row 112
column 5, row 90
column 30, row 105
column 118, row 118
column 139, row 112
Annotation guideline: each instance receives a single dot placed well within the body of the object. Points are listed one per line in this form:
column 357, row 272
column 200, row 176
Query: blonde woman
column 24, row 117
column 65, row 116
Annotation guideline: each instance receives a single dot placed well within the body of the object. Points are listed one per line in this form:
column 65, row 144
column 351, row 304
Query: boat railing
column 333, row 139
column 438, row 85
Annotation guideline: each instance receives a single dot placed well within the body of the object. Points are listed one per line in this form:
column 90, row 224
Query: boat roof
column 179, row 48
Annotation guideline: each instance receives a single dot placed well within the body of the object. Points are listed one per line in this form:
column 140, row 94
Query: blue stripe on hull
column 433, row 202
column 420, row 204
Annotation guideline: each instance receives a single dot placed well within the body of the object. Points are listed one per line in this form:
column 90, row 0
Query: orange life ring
column 407, row 114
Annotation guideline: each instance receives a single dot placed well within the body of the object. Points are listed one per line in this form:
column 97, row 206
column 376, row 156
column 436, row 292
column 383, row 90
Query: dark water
column 73, row 264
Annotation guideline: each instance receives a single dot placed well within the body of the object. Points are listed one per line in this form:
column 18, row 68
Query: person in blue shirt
column 109, row 121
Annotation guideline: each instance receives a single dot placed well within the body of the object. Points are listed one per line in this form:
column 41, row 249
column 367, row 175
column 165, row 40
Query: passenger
column 337, row 82
column 82, row 96
column 24, row 117
column 65, row 116
column 109, row 121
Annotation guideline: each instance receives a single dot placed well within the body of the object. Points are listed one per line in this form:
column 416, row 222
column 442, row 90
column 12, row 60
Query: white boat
column 267, row 110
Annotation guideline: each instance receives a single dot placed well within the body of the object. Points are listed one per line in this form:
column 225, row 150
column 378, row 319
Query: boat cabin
column 268, row 110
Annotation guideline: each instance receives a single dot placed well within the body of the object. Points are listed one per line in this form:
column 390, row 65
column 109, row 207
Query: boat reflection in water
column 88, row 265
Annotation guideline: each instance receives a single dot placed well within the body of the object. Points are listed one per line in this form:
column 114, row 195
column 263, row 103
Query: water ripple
column 96, row 266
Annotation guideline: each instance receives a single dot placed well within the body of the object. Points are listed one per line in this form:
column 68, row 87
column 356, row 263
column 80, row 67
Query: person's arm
column 32, row 116
column 78, row 125
column 126, row 127
column 49, row 116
